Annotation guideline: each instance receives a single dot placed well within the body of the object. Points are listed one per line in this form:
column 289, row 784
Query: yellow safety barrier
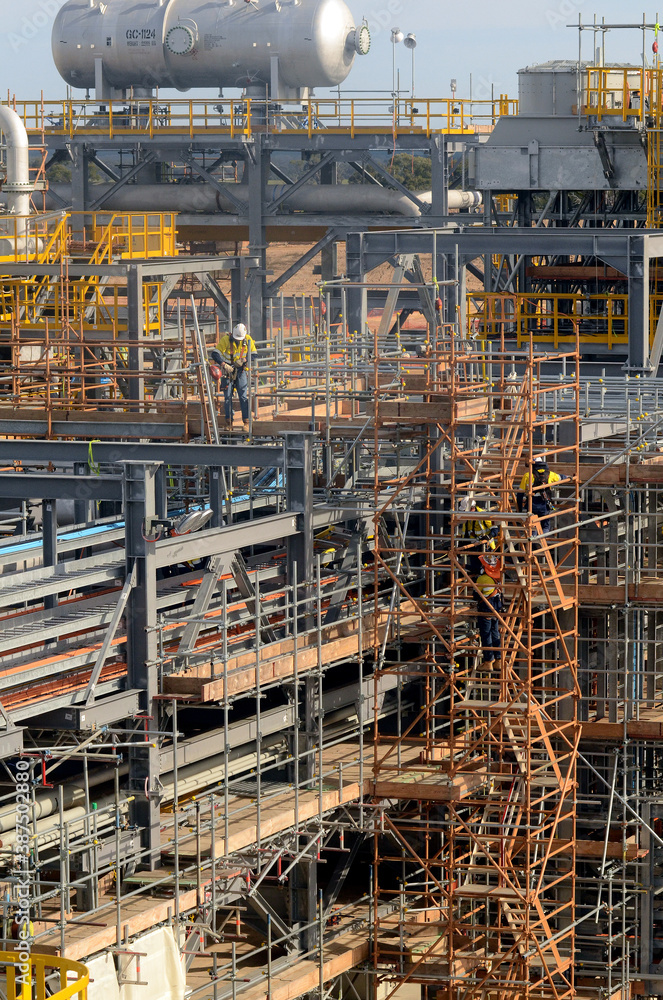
column 74, row 977
column 627, row 93
column 104, row 237
column 552, row 317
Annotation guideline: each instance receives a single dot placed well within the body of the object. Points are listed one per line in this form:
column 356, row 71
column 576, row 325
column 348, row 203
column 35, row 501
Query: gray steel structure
column 551, row 145
column 261, row 220
column 629, row 252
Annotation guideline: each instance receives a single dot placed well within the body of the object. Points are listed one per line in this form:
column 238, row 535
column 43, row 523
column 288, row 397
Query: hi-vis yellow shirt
column 552, row 479
column 236, row 351
column 486, row 585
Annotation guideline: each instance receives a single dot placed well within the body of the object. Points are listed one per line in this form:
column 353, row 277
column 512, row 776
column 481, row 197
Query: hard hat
column 239, row 332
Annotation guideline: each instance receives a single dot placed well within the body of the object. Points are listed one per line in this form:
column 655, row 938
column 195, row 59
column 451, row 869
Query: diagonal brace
column 383, row 172
column 304, row 179
column 241, row 206
column 150, row 158
column 206, row 590
column 240, row 574
column 102, row 655
column 332, row 236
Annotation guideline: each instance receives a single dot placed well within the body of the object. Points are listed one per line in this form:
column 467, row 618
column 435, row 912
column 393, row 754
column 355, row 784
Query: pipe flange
column 362, row 40
column 18, row 187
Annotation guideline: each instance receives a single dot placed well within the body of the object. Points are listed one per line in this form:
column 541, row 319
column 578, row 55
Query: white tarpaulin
column 103, row 979
column 161, row 968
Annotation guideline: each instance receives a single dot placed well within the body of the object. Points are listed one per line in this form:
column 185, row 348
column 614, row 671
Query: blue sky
column 490, row 40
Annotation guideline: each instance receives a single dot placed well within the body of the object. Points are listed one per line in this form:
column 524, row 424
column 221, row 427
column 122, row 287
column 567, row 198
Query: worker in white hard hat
column 232, row 355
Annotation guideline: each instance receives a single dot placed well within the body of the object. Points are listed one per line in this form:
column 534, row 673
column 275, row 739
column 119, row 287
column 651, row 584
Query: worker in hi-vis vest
column 541, row 479
column 232, row 355
column 489, row 605
column 478, row 535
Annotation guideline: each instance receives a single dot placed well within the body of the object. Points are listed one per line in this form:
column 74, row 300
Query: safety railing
column 553, row 317
column 243, row 116
column 74, row 977
column 33, row 238
column 100, row 237
column 628, row 94
column 133, row 235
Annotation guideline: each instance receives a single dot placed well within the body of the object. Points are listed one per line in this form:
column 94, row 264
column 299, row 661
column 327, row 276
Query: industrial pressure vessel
column 288, row 46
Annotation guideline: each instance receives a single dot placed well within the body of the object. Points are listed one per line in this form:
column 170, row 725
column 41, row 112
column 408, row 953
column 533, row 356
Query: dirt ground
column 281, row 256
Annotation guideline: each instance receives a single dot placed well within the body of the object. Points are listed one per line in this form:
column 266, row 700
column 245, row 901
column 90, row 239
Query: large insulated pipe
column 350, row 199
column 455, row 198
column 17, row 187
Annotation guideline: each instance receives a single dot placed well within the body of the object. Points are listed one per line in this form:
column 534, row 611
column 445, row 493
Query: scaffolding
column 507, row 859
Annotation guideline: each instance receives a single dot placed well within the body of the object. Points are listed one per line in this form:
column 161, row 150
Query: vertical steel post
column 142, row 649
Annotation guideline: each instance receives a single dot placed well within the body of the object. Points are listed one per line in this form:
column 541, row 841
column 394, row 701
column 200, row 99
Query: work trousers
column 241, row 383
column 540, row 511
column 489, row 629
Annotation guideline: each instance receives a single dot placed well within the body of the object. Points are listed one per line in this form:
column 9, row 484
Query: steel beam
column 218, row 541
column 257, row 166
column 638, row 304
column 50, row 543
column 150, row 268
column 11, row 742
column 17, row 486
column 68, row 452
column 103, row 712
column 135, row 330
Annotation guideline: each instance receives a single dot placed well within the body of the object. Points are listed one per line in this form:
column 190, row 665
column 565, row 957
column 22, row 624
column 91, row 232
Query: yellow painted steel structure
column 74, row 977
column 627, row 93
column 65, row 333
column 631, row 95
column 242, row 117
column 108, row 236
column 552, row 317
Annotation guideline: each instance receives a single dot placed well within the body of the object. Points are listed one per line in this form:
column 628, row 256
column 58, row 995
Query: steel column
column 135, row 331
column 142, row 649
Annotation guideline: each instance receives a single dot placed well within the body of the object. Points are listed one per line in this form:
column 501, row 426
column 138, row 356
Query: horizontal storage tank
column 290, row 46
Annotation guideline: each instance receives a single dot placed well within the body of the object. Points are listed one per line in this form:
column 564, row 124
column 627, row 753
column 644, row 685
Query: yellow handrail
column 191, row 118
column 35, row 987
column 125, row 235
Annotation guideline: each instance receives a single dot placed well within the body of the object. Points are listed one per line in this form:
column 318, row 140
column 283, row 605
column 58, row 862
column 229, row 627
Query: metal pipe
column 17, row 187
column 208, row 199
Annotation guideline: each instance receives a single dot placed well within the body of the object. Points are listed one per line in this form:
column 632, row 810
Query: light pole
column 410, row 42
column 396, row 37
